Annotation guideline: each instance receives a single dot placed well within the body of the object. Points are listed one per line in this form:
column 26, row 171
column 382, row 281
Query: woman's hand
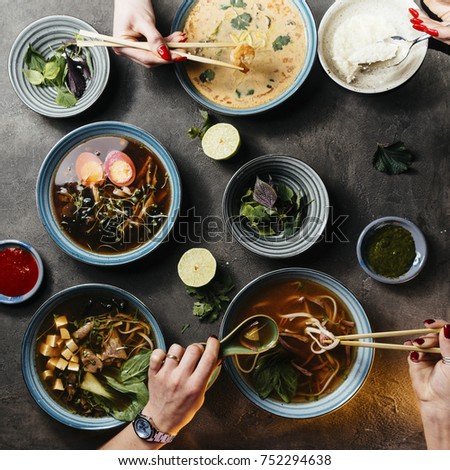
column 431, row 382
column 177, row 383
column 135, row 20
column 440, row 30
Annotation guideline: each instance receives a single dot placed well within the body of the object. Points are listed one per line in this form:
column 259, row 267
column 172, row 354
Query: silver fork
column 412, row 42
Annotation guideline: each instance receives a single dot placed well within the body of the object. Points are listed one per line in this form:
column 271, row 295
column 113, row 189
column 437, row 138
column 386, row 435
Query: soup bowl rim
column 54, row 158
column 310, row 57
column 362, row 362
column 28, row 352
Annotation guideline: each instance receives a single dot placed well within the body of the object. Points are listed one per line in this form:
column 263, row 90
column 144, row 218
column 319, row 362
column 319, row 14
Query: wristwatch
column 145, row 429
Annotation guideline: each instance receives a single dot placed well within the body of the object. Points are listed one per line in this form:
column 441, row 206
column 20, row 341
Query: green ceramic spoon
column 253, row 336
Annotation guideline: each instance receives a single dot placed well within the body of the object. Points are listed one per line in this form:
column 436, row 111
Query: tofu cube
column 61, row 321
column 62, row 364
column 64, row 332
column 58, row 385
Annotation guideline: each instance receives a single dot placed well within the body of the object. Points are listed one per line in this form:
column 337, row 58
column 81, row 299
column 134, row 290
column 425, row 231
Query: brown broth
column 292, row 296
column 99, row 220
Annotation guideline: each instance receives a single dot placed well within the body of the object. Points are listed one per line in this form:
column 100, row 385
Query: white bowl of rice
column 352, row 50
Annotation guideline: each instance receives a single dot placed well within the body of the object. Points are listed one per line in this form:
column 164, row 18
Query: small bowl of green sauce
column 392, row 250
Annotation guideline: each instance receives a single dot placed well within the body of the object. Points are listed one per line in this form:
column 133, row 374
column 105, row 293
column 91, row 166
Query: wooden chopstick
column 388, row 334
column 401, row 347
column 108, row 41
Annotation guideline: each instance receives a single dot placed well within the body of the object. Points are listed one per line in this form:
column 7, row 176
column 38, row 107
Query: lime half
column 197, row 267
column 221, row 141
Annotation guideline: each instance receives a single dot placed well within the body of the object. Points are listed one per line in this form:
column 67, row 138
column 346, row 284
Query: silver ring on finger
column 446, row 360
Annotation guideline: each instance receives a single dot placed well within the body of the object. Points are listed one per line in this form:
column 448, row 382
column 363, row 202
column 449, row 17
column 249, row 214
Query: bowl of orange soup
column 274, row 41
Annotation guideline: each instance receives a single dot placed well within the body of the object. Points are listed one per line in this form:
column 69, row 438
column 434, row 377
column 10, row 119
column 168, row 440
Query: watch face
column 143, row 428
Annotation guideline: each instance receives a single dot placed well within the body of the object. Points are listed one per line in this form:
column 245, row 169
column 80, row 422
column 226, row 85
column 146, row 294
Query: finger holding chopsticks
column 135, row 20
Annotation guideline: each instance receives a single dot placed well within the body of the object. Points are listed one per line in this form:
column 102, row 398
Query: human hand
column 177, row 387
column 440, row 30
column 430, row 379
column 135, row 20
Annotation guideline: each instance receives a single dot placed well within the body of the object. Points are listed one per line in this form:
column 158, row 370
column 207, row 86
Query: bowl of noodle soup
column 298, row 378
column 274, row 41
column 77, row 349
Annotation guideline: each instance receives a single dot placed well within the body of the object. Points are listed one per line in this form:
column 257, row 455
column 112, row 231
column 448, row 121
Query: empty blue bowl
column 29, row 370
column 45, row 182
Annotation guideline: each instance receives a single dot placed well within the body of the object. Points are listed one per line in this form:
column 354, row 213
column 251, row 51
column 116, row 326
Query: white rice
column 355, row 42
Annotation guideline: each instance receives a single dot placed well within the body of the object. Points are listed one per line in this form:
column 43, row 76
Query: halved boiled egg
column 89, row 169
column 119, row 168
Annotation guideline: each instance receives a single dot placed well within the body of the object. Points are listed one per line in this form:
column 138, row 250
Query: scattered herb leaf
column 241, row 21
column 185, row 327
column 264, row 193
column 280, row 42
column 211, row 300
column 392, row 159
column 199, row 132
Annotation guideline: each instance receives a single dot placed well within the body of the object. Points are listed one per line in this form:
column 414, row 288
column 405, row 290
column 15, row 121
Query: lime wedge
column 221, row 141
column 197, row 267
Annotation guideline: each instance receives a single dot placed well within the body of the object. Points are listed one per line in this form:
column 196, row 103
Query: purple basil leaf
column 75, row 78
column 264, row 194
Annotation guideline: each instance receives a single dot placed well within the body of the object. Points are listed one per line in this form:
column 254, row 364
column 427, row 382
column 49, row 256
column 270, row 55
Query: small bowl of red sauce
column 21, row 271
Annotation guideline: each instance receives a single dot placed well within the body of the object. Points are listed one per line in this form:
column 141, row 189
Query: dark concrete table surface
column 333, row 130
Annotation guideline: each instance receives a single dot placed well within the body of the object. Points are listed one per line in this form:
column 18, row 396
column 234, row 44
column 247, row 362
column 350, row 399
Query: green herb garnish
column 280, row 42
column 272, row 208
column 238, row 3
column 392, row 159
column 207, row 75
column 199, row 132
column 241, row 21
column 67, row 70
column 275, row 375
column 211, row 300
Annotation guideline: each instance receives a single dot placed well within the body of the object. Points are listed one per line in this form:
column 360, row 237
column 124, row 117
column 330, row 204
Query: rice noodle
column 322, row 331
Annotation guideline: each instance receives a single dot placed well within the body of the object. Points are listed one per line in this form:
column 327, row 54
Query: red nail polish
column 414, row 12
column 447, row 330
column 184, row 39
column 180, row 59
column 428, row 322
column 416, row 21
column 164, row 52
column 432, row 32
column 414, row 356
column 420, row 27
column 419, row 341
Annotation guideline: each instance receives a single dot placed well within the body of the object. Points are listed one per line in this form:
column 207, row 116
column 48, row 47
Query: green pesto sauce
column 391, row 251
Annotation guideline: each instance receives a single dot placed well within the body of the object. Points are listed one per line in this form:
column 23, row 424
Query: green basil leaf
column 34, row 59
column 65, row 98
column 51, row 70
column 392, row 159
column 33, row 76
column 280, row 42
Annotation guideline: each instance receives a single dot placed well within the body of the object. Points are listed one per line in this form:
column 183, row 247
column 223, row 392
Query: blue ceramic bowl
column 311, row 39
column 47, row 34
column 419, row 240
column 30, row 373
column 301, row 178
column 361, row 363
column 45, row 182
column 4, row 244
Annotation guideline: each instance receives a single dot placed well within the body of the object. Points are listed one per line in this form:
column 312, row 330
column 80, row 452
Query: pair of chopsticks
column 349, row 340
column 110, row 41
